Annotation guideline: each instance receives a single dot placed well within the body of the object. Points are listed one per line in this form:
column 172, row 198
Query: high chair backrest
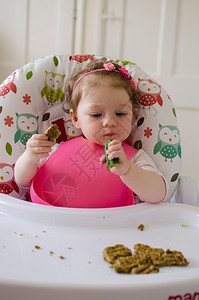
column 31, row 100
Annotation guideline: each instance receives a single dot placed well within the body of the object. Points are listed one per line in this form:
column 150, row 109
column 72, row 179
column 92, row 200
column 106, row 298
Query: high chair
column 31, row 100
column 49, row 252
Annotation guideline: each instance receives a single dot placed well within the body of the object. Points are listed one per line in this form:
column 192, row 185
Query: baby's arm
column 148, row 185
column 26, row 166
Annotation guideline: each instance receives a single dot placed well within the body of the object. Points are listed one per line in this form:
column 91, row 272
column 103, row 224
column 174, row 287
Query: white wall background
column 161, row 36
column 30, row 29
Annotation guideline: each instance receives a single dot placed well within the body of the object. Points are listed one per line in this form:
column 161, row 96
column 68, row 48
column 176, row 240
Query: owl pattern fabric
column 31, row 100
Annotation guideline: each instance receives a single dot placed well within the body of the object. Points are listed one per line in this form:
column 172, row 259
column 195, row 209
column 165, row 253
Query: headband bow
column 109, row 67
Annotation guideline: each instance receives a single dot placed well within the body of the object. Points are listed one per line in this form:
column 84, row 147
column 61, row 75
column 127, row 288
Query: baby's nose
column 109, row 122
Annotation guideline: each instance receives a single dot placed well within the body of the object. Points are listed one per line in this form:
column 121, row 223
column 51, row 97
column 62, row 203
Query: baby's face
column 103, row 113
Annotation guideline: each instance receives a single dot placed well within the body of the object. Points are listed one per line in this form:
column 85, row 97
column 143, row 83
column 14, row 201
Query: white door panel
column 30, row 29
column 162, row 37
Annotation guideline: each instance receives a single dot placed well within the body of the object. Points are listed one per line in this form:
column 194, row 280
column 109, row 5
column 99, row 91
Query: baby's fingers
column 102, row 159
column 38, row 140
column 113, row 146
column 38, row 144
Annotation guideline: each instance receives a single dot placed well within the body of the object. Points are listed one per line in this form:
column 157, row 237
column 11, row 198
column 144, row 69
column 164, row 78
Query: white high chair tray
column 69, row 263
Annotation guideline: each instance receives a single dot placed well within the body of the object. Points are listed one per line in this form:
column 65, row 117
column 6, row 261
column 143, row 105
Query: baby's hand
column 115, row 150
column 38, row 147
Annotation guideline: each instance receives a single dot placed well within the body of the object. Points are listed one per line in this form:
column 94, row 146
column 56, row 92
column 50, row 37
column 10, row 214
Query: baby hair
column 87, row 77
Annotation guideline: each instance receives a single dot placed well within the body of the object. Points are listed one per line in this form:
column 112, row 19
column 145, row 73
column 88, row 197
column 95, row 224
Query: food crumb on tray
column 61, row 257
column 141, row 227
column 37, row 247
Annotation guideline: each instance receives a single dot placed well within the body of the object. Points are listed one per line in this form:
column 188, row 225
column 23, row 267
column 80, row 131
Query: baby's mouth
column 110, row 134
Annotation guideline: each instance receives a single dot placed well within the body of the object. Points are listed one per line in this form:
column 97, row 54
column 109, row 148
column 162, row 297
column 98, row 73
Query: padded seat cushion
column 31, row 100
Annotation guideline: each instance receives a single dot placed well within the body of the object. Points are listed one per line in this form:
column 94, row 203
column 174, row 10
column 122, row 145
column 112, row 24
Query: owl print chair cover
column 31, row 100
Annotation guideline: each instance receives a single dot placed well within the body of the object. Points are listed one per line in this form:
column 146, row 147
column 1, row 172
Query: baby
column 102, row 98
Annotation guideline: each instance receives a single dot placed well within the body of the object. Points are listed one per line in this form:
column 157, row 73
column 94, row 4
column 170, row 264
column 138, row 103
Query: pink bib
column 74, row 177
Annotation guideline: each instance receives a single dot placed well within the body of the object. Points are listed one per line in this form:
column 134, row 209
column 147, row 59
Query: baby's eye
column 96, row 115
column 120, row 114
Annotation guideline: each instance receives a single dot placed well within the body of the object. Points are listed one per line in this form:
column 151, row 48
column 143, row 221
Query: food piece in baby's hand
column 53, row 132
column 113, row 162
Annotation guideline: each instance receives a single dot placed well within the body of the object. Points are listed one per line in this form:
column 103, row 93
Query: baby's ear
column 74, row 119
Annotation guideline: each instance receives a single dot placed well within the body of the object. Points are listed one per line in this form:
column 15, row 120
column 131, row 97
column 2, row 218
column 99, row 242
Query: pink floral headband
column 111, row 68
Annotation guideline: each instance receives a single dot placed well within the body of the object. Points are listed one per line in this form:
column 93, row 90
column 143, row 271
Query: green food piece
column 113, row 162
column 53, row 132
column 183, row 225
